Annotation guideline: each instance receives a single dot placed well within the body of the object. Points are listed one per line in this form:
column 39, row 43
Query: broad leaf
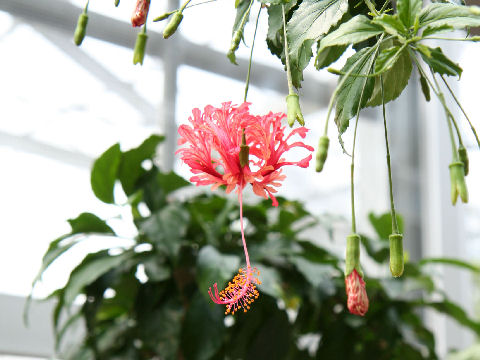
column 131, row 164
column 241, row 19
column 450, row 261
column 455, row 16
column 357, row 29
column 435, row 30
column 170, row 182
column 271, row 281
column 104, row 174
column 329, row 55
column 408, row 11
column 395, row 79
column 354, row 91
column 391, row 24
column 309, row 22
column 383, row 224
column 318, row 275
column 275, row 28
column 439, row 62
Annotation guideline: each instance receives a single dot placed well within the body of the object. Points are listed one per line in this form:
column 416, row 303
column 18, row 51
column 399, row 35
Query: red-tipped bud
column 357, row 294
column 140, row 13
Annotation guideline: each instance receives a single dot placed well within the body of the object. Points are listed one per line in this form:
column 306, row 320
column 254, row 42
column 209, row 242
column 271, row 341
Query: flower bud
column 457, row 182
column 81, row 29
column 162, row 17
column 172, row 25
column 396, row 254
column 322, row 152
column 352, row 257
column 117, row 2
column 140, row 13
column 357, row 302
column 293, row 110
column 463, row 155
column 237, row 36
column 139, row 50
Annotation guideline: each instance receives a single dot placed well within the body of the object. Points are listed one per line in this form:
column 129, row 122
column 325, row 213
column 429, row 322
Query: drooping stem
column 247, row 81
column 240, row 200
column 291, row 91
column 85, row 10
column 461, row 108
column 184, row 5
column 390, row 182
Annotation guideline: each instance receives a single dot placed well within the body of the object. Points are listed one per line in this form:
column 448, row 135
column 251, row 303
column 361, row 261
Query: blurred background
column 62, row 106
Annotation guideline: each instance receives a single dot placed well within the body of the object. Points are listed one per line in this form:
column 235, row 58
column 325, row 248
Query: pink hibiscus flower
column 214, row 142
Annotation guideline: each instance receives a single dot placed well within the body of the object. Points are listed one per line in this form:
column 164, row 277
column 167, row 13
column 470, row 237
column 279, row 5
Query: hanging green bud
column 237, row 36
column 352, row 258
column 457, row 182
column 81, row 29
column 117, row 2
column 173, row 24
column 139, row 50
column 463, row 155
column 244, row 151
column 322, row 152
column 293, row 110
column 396, row 254
column 162, row 17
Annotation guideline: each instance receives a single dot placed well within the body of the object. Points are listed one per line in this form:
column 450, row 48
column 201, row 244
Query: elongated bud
column 322, row 152
column 162, row 17
column 396, row 254
column 172, row 25
column 352, row 256
column 237, row 36
column 457, row 182
column 244, row 151
column 293, row 110
column 357, row 302
column 117, row 2
column 463, row 155
column 140, row 13
column 139, row 50
column 81, row 29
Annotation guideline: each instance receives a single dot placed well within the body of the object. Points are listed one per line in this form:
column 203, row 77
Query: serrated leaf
column 391, row 24
column 439, row 62
column 104, row 174
column 425, row 87
column 131, row 168
column 357, row 29
column 355, row 91
column 275, row 28
column 309, row 22
column 435, row 30
column 395, row 79
column 455, row 16
column 408, row 11
column 329, row 55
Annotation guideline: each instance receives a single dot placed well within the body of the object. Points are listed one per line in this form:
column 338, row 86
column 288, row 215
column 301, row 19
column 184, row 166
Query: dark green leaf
column 408, row 11
column 104, row 174
column 377, row 250
column 275, row 28
column 318, row 275
column 395, row 79
column 391, row 24
column 452, row 262
column 309, row 22
column 170, row 182
column 425, row 87
column 215, row 267
column 383, row 224
column 439, row 62
column 271, row 281
column 203, row 330
column 455, row 16
column 355, row 91
column 156, row 269
column 329, row 55
column 131, row 164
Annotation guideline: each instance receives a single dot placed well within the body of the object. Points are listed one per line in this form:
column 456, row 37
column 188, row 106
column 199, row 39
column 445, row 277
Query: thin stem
column 390, row 182
column 200, row 3
column 184, row 5
column 371, row 7
column 287, row 57
column 85, row 10
column 463, row 111
column 473, row 38
column 247, row 258
column 385, row 4
column 247, row 81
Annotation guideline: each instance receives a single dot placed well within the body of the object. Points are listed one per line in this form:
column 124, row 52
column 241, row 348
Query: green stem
column 291, row 91
column 385, row 4
column 390, row 182
column 371, row 7
column 473, row 38
column 247, row 81
column 184, row 5
column 461, row 108
column 85, row 10
column 200, row 3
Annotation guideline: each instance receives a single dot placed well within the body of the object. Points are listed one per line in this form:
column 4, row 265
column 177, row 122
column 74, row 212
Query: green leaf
column 131, row 163
column 329, row 55
column 435, row 30
column 438, row 61
column 309, row 22
column 395, row 79
column 355, row 91
column 170, row 182
column 203, row 329
column 156, row 269
column 377, row 250
column 391, row 24
column 357, row 29
column 408, row 11
column 271, row 281
column 318, row 275
column 450, row 261
column 383, row 224
column 275, row 28
column 425, row 87
column 215, row 267
column 91, row 268
column 241, row 19
column 104, row 174
column 455, row 16
column 167, row 227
